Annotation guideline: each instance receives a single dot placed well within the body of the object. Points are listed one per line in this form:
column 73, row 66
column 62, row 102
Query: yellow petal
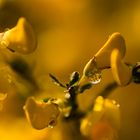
column 99, row 104
column 89, row 121
column 112, row 113
column 20, row 38
column 93, row 117
column 40, row 114
column 103, row 55
column 121, row 72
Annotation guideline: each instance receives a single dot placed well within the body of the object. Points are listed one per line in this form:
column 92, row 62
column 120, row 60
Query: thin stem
column 107, row 90
column 75, row 113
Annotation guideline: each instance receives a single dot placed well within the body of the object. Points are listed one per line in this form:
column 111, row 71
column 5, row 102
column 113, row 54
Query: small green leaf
column 74, row 78
column 45, row 100
column 56, row 81
column 85, row 87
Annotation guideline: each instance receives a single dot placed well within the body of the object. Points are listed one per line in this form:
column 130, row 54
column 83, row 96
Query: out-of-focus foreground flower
column 104, row 120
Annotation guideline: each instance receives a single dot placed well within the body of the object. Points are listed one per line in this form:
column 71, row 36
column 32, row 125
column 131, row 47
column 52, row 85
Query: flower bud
column 20, row 38
column 74, row 78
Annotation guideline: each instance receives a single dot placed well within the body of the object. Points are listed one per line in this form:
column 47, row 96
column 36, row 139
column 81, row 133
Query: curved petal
column 116, row 40
column 121, row 72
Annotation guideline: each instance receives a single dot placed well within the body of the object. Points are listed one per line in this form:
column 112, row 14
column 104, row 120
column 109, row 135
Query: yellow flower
column 105, row 117
column 41, row 114
column 109, row 56
column 20, row 38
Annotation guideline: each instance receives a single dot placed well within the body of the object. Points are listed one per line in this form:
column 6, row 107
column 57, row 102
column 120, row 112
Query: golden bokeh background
column 69, row 33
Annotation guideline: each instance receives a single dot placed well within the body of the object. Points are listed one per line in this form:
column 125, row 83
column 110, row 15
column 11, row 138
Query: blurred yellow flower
column 105, row 115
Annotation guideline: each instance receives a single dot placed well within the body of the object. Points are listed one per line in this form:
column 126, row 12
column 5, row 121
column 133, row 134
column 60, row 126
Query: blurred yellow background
column 69, row 33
